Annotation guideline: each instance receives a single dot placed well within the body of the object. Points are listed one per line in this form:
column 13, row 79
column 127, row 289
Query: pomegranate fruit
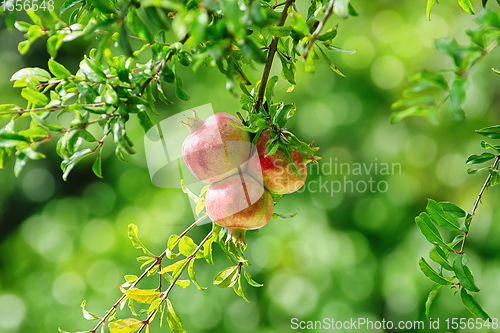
column 214, row 149
column 275, row 172
column 239, row 203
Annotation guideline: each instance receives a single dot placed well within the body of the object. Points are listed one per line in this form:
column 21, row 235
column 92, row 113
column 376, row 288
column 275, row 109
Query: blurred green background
column 345, row 255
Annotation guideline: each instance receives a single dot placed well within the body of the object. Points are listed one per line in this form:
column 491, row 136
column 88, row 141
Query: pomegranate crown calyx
column 191, row 123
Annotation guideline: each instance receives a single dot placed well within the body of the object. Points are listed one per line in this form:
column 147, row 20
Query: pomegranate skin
column 239, row 203
column 215, row 149
column 275, row 172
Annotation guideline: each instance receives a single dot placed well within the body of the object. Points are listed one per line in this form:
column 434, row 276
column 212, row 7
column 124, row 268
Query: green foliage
column 428, row 92
column 445, row 215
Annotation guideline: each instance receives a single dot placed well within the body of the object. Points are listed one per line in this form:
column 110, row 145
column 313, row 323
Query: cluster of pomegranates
column 242, row 176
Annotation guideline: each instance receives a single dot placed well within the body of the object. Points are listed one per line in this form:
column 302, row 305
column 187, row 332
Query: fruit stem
column 237, row 235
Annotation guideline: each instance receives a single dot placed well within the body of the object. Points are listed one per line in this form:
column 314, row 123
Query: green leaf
column 23, row 46
column 463, row 273
column 341, row 8
column 97, row 166
column 457, row 97
column 430, row 3
column 187, row 247
column 55, row 42
column 250, row 280
column 124, row 325
column 441, row 218
column 430, row 231
column 472, row 305
column 452, row 209
column 110, row 96
column 193, row 277
column 21, row 159
column 330, row 64
column 430, row 299
column 143, row 296
column 309, row 62
column 467, row 6
column 179, row 91
column 58, row 70
column 35, row 97
column 412, row 111
column 207, row 250
column 431, row 273
column 68, row 4
column 298, row 23
column 438, row 256
column 478, row 159
column 133, row 234
column 11, row 139
column 173, row 267
column 251, row 50
column 88, row 315
column 456, row 240
column 91, row 71
column 329, row 34
column 492, row 132
column 224, row 278
column 278, row 31
column 35, row 18
column 123, row 41
column 174, row 322
column 269, row 91
column 68, row 165
column 38, row 74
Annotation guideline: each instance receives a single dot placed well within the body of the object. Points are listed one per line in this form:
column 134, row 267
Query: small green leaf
column 430, row 3
column 124, row 325
column 299, row 23
column 23, row 46
column 250, row 280
column 431, row 273
column 330, row 64
column 285, row 216
column 88, row 315
column 467, row 6
column 133, row 234
column 187, row 247
column 143, row 296
column 38, row 74
column 68, row 165
column 251, row 50
column 429, row 230
column 463, row 273
column 473, row 306
column 328, row 35
column 452, row 209
column 478, row 159
column 280, row 31
column 55, row 42
column 432, row 295
column 438, row 256
column 192, row 275
column 97, row 166
column 492, row 132
column 179, row 91
column 58, row 70
column 441, row 218
column 68, row 4
column 224, row 278
column 174, row 322
column 457, row 97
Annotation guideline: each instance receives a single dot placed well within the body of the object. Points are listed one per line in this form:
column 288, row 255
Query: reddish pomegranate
column 214, row 149
column 275, row 171
column 239, row 203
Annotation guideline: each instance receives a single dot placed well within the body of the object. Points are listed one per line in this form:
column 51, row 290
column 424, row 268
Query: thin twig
column 167, row 292
column 21, row 111
column 155, row 263
column 473, row 212
column 320, row 26
column 270, row 57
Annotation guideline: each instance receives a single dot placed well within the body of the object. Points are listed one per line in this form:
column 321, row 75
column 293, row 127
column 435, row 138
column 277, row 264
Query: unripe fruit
column 214, row 149
column 239, row 203
column 275, row 171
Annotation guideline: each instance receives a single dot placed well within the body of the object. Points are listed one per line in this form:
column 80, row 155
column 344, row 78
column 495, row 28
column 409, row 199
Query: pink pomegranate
column 214, row 149
column 275, row 171
column 239, row 203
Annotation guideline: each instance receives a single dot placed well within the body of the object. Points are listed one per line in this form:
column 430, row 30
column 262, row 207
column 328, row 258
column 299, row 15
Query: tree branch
column 145, row 273
column 270, row 57
column 320, row 27
column 167, row 292
column 473, row 212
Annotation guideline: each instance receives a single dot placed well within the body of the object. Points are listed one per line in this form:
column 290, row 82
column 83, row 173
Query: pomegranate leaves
column 447, row 215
